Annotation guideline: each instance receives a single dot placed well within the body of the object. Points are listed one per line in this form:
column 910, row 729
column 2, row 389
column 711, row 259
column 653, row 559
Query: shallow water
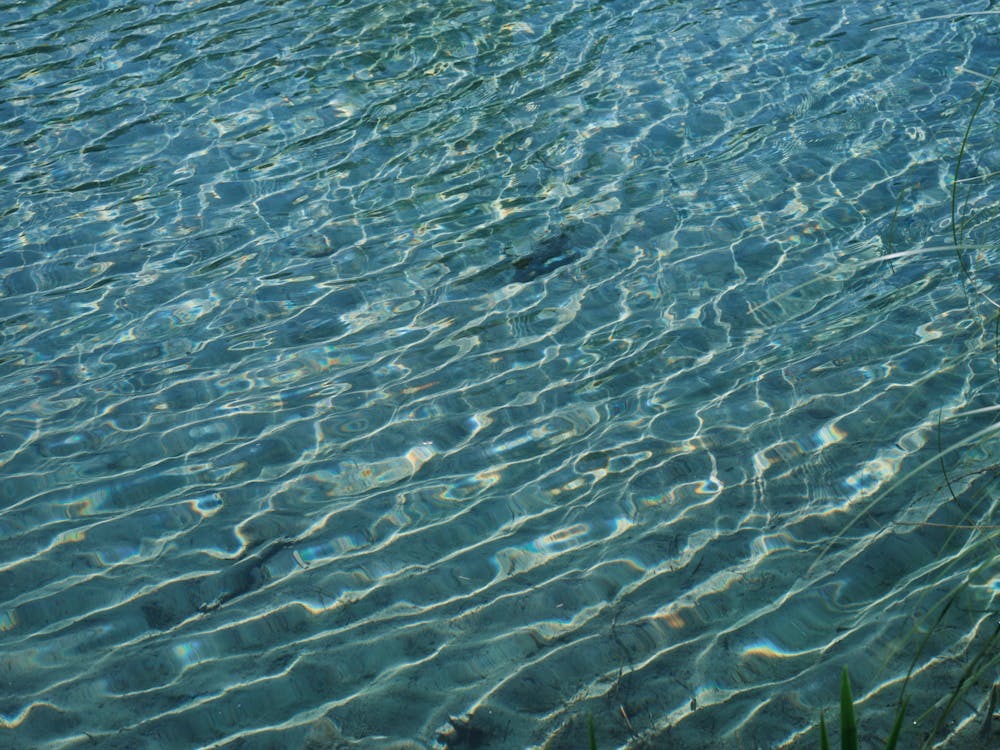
column 450, row 372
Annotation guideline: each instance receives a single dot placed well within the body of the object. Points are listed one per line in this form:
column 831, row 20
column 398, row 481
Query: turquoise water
column 446, row 373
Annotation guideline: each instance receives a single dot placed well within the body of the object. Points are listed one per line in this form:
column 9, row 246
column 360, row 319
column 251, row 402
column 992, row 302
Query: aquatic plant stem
column 955, row 233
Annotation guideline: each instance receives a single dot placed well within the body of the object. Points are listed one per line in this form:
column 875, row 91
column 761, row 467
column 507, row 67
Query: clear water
column 449, row 372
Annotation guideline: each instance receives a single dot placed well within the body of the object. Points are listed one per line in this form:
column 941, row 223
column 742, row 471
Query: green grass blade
column 590, row 732
column 824, row 738
column 897, row 727
column 848, row 725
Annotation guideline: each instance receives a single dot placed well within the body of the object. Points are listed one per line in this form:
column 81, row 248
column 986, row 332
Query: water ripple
column 411, row 375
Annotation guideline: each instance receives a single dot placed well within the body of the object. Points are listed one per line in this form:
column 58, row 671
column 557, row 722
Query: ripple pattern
column 402, row 375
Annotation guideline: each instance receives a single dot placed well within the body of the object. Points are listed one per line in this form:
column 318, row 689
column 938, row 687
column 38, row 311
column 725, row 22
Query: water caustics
column 442, row 374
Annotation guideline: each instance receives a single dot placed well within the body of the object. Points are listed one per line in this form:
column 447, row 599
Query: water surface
column 450, row 372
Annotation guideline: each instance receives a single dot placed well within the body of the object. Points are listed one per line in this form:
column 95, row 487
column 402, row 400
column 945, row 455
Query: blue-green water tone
column 446, row 373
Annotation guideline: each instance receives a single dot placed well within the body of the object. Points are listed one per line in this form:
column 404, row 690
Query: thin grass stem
column 968, row 675
column 877, row 498
column 944, row 469
column 958, row 166
column 897, row 727
column 892, row 225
